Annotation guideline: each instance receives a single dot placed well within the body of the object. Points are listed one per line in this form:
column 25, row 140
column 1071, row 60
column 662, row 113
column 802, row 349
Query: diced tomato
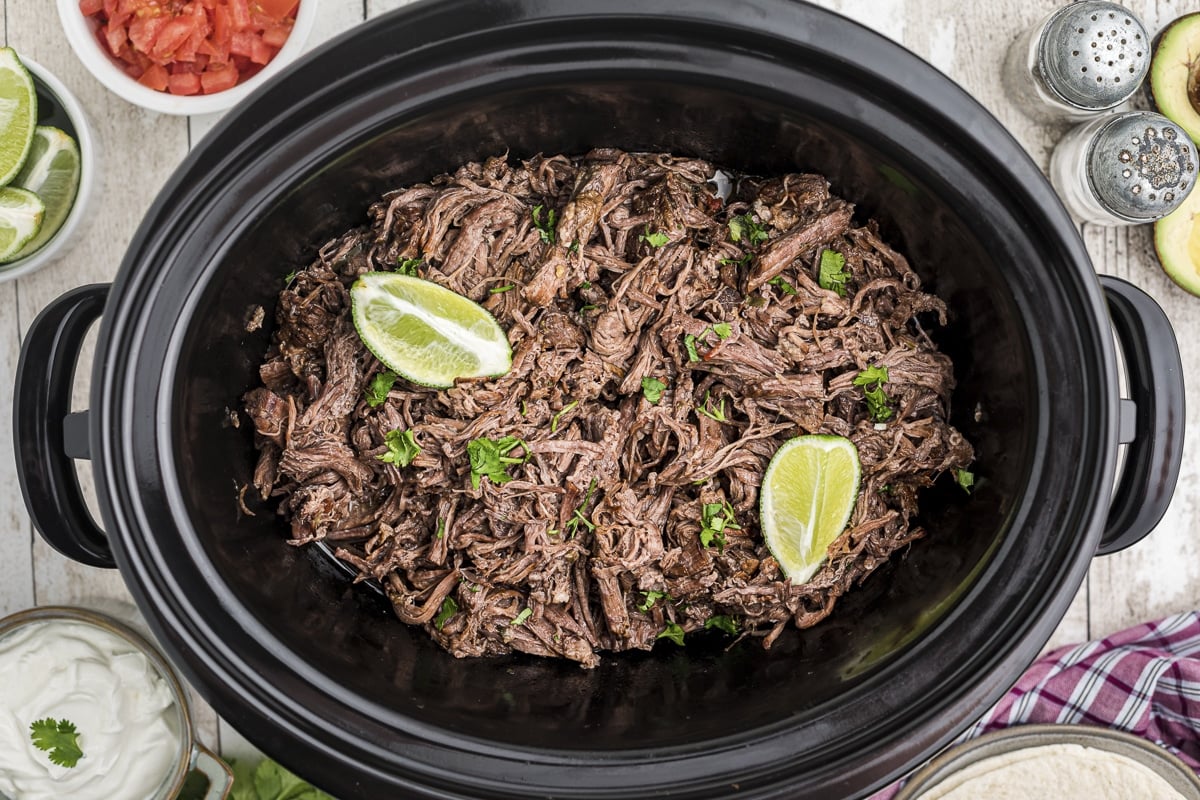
column 172, row 35
column 222, row 29
column 143, row 32
column 276, row 35
column 240, row 13
column 219, row 79
column 261, row 53
column 278, row 9
column 242, row 43
column 189, row 46
column 156, row 77
column 184, row 84
column 115, row 37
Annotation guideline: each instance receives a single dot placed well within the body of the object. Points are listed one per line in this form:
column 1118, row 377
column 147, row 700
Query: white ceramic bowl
column 64, row 239
column 81, row 33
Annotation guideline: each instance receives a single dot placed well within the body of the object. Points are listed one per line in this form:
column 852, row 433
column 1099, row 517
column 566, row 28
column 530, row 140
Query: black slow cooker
column 318, row 673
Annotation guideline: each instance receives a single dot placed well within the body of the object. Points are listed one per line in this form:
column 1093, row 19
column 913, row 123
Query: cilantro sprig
column 716, row 412
column 59, row 738
column 965, row 479
column 269, row 781
column 715, row 519
column 490, row 458
column 579, row 516
column 567, row 409
column 872, row 380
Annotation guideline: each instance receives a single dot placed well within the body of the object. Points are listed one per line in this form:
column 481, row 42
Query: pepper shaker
column 1124, row 169
column 1086, row 58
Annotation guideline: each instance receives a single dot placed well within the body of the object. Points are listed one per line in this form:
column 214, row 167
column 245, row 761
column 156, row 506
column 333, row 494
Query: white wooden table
column 964, row 38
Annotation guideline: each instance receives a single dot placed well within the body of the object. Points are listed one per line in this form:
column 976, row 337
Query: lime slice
column 21, row 215
column 52, row 173
column 425, row 332
column 18, row 114
column 808, row 492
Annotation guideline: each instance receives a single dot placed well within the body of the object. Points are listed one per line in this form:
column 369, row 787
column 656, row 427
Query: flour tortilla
column 1054, row 772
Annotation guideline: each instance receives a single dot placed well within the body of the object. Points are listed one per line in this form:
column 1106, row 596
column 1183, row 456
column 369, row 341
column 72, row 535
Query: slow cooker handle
column 41, row 407
column 1155, row 377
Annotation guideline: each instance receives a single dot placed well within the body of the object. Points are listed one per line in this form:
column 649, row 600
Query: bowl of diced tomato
column 186, row 56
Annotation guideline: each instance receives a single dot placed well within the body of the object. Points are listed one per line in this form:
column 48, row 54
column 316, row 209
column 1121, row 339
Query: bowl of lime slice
column 47, row 154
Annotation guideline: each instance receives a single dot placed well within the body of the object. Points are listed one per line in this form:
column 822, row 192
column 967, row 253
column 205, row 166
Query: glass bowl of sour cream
column 92, row 694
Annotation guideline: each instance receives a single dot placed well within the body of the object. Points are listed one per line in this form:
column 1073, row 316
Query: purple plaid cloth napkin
column 1144, row 680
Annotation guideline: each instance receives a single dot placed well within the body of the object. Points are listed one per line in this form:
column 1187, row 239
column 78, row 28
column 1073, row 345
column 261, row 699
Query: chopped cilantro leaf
column 381, row 384
column 656, row 239
column 832, row 276
column 545, row 228
column 520, row 618
column 449, row 609
column 744, row 227
column 689, row 343
column 402, row 448
column 965, row 479
column 585, row 285
column 723, row 330
column 722, row 623
column 741, row 262
column 650, row 598
column 782, row 285
column 490, row 458
column 408, row 266
column 652, row 389
column 287, row 280
column 672, row 632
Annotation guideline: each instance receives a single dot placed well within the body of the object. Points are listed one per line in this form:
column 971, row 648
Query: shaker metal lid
column 1141, row 165
column 1094, row 54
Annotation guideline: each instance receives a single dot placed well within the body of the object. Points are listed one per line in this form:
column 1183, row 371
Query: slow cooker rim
column 121, row 313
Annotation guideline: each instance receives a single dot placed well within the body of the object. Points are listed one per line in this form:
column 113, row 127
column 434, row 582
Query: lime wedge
column 18, row 114
column 808, row 493
column 425, row 332
column 21, row 215
column 52, row 173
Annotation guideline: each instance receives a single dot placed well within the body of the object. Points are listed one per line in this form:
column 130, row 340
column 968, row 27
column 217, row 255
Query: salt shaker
column 1124, row 169
column 1084, row 59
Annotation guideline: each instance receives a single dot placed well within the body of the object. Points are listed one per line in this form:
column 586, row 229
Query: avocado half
column 1177, row 241
column 1175, row 73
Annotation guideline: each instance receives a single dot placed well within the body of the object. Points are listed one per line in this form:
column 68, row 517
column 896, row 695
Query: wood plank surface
column 966, row 40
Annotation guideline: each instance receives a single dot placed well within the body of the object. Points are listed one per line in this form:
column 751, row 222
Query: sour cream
column 123, row 708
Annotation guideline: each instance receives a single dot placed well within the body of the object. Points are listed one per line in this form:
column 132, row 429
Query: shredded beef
column 598, row 533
